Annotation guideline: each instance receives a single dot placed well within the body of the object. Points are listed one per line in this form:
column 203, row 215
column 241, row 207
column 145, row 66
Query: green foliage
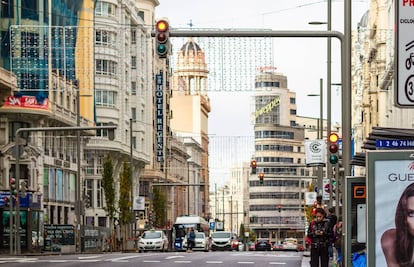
column 125, row 204
column 108, row 186
column 159, row 207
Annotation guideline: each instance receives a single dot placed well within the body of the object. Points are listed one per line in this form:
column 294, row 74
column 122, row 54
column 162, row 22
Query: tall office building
column 276, row 205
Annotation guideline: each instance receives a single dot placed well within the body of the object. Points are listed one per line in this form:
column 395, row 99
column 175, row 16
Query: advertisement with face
column 391, row 188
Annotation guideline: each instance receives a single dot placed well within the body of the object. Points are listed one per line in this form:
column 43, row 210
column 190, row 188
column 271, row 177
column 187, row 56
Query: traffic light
column 333, row 148
column 279, row 208
column 261, row 176
column 253, row 165
column 162, row 34
column 13, row 189
column 6, row 200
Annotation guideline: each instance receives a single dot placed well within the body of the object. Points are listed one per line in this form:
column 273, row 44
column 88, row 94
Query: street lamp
column 131, row 158
column 320, row 133
column 328, row 23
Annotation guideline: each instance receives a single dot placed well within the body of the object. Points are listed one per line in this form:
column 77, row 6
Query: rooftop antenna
column 190, row 23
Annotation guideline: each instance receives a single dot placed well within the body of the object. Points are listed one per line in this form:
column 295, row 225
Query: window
column 89, row 192
column 293, row 112
column 292, row 100
column 133, row 62
column 134, row 88
column 141, row 14
column 134, row 113
column 104, row 9
column 105, row 98
column 99, row 194
column 7, row 9
column 267, row 84
column 133, row 36
column 105, row 38
column 105, row 67
column 13, row 126
column 29, row 9
column 102, row 132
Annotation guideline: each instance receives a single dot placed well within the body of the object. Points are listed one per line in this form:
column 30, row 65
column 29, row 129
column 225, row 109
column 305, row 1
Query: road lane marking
column 245, row 262
column 149, row 261
column 182, row 261
column 213, row 262
column 173, row 257
column 277, row 263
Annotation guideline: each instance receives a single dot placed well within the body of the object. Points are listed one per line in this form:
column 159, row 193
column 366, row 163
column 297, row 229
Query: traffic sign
column 404, row 90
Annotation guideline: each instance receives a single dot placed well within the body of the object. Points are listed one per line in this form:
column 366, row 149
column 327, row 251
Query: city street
column 251, row 258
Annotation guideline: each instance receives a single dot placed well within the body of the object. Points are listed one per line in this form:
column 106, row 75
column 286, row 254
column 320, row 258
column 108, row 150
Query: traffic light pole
column 345, row 64
column 17, row 167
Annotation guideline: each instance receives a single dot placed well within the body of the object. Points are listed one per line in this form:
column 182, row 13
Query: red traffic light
column 253, row 164
column 333, row 148
column 261, row 176
column 12, row 181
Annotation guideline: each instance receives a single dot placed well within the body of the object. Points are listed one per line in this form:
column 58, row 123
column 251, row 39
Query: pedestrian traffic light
column 162, row 34
column 253, row 165
column 333, row 148
column 279, row 208
column 261, row 176
column 13, row 189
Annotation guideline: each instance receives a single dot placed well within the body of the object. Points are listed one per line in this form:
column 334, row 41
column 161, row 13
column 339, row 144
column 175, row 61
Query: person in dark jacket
column 320, row 234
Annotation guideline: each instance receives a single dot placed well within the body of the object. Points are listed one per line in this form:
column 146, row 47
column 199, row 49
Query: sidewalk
column 306, row 260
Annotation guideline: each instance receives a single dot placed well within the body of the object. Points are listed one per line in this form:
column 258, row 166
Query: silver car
column 153, row 240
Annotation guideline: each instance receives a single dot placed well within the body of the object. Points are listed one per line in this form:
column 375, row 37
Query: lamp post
column 328, row 87
column 320, row 132
column 131, row 159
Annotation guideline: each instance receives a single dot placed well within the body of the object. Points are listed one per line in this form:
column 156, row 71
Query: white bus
column 182, row 223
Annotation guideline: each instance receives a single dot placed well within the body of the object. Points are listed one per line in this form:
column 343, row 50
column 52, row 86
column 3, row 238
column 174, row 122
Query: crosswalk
column 179, row 258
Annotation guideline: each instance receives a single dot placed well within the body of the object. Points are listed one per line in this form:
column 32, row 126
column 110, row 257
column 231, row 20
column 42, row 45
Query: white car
column 221, row 241
column 153, row 240
column 201, row 242
column 290, row 244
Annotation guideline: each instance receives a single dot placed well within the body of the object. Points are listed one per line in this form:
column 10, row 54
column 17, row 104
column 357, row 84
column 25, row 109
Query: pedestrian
column 190, row 239
column 320, row 233
column 333, row 219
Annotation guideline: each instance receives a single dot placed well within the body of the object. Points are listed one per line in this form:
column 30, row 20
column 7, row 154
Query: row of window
column 277, row 220
column 275, row 195
column 274, row 159
column 287, row 148
column 274, row 207
column 274, row 134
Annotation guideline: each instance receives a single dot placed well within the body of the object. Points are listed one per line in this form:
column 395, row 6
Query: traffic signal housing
column 162, row 36
column 13, row 189
column 333, row 148
column 279, row 208
column 261, row 177
column 253, row 166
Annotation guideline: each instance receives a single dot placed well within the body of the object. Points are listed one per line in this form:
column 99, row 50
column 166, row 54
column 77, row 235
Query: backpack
column 337, row 232
column 191, row 235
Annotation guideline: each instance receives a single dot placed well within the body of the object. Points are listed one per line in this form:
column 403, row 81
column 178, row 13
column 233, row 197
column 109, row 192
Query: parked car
column 201, row 242
column 290, row 244
column 153, row 240
column 221, row 240
column 277, row 246
column 235, row 242
column 263, row 244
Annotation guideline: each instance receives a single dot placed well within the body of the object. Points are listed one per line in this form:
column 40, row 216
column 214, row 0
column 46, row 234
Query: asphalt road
column 156, row 259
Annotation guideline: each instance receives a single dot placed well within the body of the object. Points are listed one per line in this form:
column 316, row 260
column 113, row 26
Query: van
column 221, row 241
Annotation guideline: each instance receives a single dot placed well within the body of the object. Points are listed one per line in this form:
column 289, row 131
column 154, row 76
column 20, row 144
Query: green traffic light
column 161, row 49
column 333, row 159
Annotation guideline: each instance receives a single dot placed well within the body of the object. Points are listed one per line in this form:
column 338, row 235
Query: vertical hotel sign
column 159, row 104
column 404, row 49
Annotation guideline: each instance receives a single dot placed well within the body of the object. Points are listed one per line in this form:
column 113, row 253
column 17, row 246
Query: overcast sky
column 302, row 60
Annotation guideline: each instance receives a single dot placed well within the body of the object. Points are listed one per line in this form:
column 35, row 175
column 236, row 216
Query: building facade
column 276, row 204
column 190, row 107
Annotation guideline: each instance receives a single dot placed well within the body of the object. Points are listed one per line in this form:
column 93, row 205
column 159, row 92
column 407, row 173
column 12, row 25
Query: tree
column 108, row 186
column 159, row 207
column 125, row 204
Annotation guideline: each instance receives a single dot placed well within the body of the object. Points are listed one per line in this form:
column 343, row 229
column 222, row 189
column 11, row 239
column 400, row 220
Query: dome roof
column 190, row 45
column 364, row 20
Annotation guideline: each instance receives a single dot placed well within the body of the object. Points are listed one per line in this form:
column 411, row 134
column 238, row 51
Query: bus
column 182, row 223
